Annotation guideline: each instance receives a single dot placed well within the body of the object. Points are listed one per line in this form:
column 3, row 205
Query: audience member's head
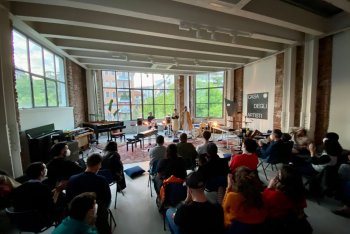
column 82, row 206
column 183, row 137
column 290, row 183
column 206, row 135
column 332, row 145
column 247, row 183
column 60, row 150
column 171, row 151
column 286, row 137
column 301, row 132
column 160, row 140
column 249, row 145
column 195, row 183
column 202, row 159
column 212, row 150
column 36, row 171
column 94, row 162
column 276, row 135
column 111, row 146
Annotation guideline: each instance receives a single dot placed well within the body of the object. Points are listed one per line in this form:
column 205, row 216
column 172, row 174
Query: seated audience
column 301, row 142
column 344, row 175
column 202, row 149
column 88, row 181
column 187, row 151
column 243, row 201
column 81, row 216
column 111, row 161
column 196, row 215
column 248, row 158
column 7, row 185
column 287, row 148
column 172, row 164
column 271, row 152
column 34, row 195
column 285, row 201
column 159, row 151
column 59, row 169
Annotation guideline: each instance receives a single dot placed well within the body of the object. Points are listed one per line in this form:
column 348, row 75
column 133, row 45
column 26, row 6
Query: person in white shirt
column 202, row 149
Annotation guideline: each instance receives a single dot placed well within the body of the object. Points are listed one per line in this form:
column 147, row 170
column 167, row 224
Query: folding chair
column 107, row 174
column 152, row 172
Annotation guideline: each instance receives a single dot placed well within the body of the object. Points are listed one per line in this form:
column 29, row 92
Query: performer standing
column 175, row 122
column 186, row 121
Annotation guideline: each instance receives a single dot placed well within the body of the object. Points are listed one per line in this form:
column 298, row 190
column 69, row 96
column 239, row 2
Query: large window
column 40, row 79
column 137, row 94
column 209, row 95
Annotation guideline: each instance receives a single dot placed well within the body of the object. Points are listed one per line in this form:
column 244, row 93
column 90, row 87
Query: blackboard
column 257, row 105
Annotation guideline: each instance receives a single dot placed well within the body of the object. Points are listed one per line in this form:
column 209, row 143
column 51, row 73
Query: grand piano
column 104, row 126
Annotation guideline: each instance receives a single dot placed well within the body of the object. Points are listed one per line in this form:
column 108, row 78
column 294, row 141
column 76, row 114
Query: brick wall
column 278, row 91
column 299, row 79
column 324, row 78
column 238, row 97
column 180, row 98
column 77, row 92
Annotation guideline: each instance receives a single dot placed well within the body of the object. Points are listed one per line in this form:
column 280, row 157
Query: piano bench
column 116, row 135
column 132, row 142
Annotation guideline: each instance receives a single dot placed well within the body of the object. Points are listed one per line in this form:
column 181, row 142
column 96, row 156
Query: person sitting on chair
column 81, row 216
column 34, row 195
column 272, row 151
column 111, row 161
column 249, row 158
column 151, row 121
column 159, row 151
column 202, row 149
column 187, row 151
column 197, row 214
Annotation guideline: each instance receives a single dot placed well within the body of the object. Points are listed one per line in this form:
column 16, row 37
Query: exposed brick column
column 324, row 82
column 238, row 97
column 77, row 92
column 299, row 80
column 278, row 91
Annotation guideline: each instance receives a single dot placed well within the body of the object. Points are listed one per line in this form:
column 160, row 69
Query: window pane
column 49, row 64
column 202, row 96
column 147, row 81
column 24, row 91
column 169, row 109
column 20, row 51
column 158, row 96
column 122, row 80
column 146, row 110
column 39, row 91
column 158, row 81
column 123, row 96
column 216, row 79
column 136, row 97
column 108, row 79
column 147, row 97
column 36, row 58
column 135, row 80
column 59, row 68
column 202, row 81
column 170, row 96
column 169, row 81
column 159, row 111
column 216, row 95
column 124, row 112
column 51, row 93
column 62, row 94
column 107, row 98
column 215, row 110
column 202, row 110
column 136, row 111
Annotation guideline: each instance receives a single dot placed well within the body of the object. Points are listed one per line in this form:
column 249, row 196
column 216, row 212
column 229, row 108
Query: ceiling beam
column 171, row 11
column 94, row 19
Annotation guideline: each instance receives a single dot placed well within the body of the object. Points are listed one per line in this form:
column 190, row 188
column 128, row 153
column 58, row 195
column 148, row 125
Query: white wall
column 62, row 117
column 258, row 78
column 339, row 119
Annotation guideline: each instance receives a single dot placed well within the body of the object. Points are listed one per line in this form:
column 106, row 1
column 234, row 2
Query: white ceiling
column 181, row 36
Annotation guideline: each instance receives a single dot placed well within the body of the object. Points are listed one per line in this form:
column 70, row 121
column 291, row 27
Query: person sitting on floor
column 158, row 152
column 111, row 161
column 59, row 169
column 172, row 164
column 243, row 202
column 202, row 149
column 271, row 152
column 285, row 201
column 34, row 195
column 249, row 158
column 81, row 216
column 197, row 214
column 187, row 151
column 89, row 181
